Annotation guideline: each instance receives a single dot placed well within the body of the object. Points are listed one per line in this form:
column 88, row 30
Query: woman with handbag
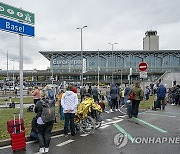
column 136, row 95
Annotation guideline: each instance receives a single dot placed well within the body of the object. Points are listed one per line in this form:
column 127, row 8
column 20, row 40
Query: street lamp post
column 113, row 63
column 98, row 69
column 81, row 28
column 13, row 72
column 121, row 68
column 52, row 72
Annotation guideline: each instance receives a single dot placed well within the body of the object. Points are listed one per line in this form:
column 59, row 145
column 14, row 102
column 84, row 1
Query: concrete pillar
column 32, row 78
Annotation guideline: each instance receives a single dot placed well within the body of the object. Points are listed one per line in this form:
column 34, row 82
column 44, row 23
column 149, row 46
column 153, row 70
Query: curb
column 8, row 141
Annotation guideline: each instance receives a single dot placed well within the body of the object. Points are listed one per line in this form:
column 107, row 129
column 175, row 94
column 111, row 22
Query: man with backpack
column 45, row 110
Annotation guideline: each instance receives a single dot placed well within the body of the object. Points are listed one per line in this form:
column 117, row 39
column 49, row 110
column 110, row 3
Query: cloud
column 121, row 21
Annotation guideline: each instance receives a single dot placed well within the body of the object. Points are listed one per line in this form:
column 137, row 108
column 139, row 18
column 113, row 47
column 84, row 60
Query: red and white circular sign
column 143, row 66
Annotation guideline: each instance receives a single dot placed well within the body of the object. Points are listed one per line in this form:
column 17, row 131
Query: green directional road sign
column 16, row 13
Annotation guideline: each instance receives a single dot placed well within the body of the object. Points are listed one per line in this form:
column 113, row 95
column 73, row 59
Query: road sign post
column 143, row 66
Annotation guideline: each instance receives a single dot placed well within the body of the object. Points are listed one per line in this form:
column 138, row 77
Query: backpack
column 48, row 111
column 50, row 94
column 178, row 92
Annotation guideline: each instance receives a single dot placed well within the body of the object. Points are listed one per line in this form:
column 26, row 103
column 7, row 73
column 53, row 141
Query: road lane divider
column 64, row 143
column 124, row 132
column 150, row 125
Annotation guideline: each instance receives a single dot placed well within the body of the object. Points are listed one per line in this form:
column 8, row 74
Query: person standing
column 161, row 95
column 138, row 96
column 108, row 97
column 147, row 92
column 82, row 92
column 50, row 92
column 45, row 110
column 126, row 93
column 36, row 94
column 61, row 113
column 114, row 97
column 90, row 90
column 95, row 94
column 69, row 102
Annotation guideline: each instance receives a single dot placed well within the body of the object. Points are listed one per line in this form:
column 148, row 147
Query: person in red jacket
column 74, row 89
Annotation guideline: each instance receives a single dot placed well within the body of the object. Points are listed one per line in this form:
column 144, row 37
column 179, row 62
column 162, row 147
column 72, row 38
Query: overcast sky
column 108, row 21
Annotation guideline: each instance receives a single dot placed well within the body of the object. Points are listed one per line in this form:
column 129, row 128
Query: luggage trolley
column 16, row 130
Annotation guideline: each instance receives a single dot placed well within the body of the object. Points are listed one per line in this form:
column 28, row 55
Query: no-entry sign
column 143, row 66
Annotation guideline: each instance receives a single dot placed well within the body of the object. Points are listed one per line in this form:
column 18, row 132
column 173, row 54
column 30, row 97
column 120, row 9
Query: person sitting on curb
column 34, row 130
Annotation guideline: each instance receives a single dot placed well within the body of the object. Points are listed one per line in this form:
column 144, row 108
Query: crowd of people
column 116, row 96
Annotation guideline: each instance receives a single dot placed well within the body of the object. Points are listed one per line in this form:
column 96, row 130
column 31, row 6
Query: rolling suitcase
column 18, row 140
column 157, row 104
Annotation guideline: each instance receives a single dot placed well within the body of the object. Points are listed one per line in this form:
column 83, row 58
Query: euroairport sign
column 16, row 27
column 16, row 13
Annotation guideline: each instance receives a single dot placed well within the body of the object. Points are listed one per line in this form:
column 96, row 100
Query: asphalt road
column 158, row 126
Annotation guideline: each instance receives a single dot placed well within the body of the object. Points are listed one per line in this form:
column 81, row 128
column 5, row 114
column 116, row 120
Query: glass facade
column 70, row 61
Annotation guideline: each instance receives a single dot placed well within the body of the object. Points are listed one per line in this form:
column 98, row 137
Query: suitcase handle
column 17, row 124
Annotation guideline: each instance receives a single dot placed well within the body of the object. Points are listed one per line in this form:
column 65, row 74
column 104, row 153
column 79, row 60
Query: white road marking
column 112, row 122
column 29, row 142
column 122, row 112
column 5, row 147
column 102, row 127
column 108, row 119
column 106, row 111
column 83, row 135
column 57, row 136
column 64, row 143
column 116, row 118
column 8, row 146
column 122, row 116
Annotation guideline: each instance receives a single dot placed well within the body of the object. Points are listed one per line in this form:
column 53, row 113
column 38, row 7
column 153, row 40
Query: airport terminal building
column 67, row 65
column 106, row 65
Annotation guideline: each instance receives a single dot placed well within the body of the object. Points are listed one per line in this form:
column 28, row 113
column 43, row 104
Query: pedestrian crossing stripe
column 64, row 143
column 105, row 126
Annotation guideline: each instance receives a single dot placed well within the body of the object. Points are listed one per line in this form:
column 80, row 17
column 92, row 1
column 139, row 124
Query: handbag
column 131, row 96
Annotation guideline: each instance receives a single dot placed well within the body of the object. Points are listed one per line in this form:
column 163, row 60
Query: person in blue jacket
column 161, row 95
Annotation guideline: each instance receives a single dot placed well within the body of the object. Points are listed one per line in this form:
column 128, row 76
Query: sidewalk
column 8, row 141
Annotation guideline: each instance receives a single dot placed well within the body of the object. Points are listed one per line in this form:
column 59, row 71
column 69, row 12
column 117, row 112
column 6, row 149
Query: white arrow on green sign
column 16, row 13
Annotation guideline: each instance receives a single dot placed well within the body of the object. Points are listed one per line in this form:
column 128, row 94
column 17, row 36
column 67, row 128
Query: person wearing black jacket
column 44, row 129
column 34, row 130
column 114, row 97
